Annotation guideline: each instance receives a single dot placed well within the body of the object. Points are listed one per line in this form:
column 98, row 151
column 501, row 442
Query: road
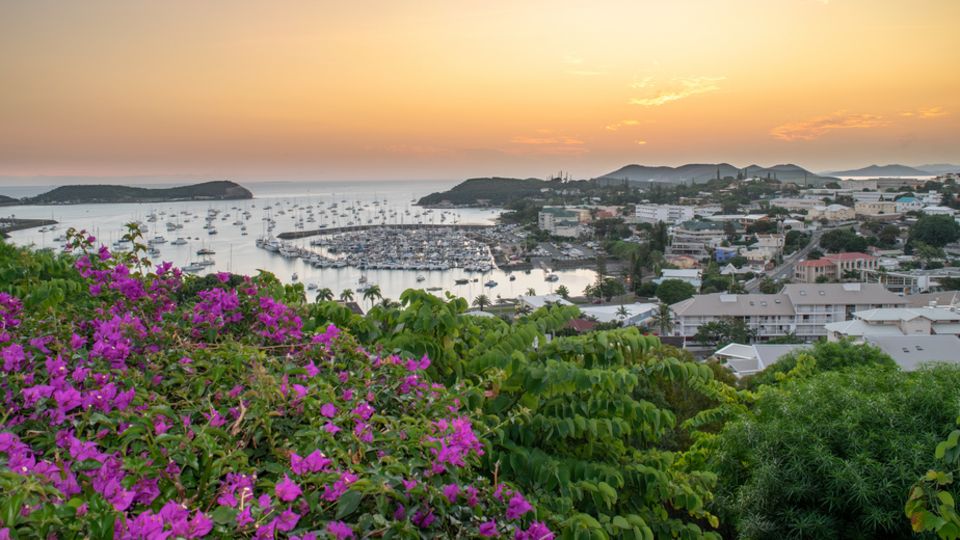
column 785, row 270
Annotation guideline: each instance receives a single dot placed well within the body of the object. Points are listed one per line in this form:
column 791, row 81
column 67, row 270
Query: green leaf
column 348, row 503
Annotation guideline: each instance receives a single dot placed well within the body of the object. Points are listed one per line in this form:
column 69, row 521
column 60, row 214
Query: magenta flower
column 517, row 506
column 339, row 530
column 287, row 490
column 489, row 529
column 328, row 410
column 451, row 491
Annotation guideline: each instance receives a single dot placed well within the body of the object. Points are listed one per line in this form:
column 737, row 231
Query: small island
column 496, row 192
column 221, row 190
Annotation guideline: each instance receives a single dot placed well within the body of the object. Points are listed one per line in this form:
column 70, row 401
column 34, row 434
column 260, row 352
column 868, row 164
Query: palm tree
column 372, row 293
column 663, row 319
column 623, row 313
column 324, row 295
column 564, row 292
column 531, row 292
column 346, row 295
column 481, row 301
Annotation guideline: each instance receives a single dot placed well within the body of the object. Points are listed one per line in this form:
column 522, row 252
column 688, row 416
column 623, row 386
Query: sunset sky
column 452, row 89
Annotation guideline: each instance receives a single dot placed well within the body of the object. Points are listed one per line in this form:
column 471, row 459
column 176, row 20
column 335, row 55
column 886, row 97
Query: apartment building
column 667, row 213
column 833, row 212
column 768, row 315
column 819, row 304
column 695, row 238
column 562, row 221
column 833, row 266
column 800, row 309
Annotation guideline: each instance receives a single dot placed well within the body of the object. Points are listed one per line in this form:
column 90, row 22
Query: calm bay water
column 238, row 253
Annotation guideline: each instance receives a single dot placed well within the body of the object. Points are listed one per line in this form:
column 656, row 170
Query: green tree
column 671, row 291
column 346, row 295
column 842, row 240
column 936, row 231
column 622, row 313
column 324, row 294
column 663, row 319
column 769, row 286
column 564, row 292
column 723, row 332
column 927, row 253
column 372, row 294
column 481, row 301
column 829, row 356
column 820, row 456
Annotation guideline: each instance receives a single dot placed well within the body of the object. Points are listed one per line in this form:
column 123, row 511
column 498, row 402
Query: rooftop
column 906, row 314
column 734, row 305
column 911, row 352
column 841, row 293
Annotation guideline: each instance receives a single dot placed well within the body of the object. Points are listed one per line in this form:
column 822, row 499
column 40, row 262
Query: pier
column 354, row 228
column 10, row 224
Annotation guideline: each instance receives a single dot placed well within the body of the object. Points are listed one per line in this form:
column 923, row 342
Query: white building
column 818, row 304
column 692, row 276
column 939, row 211
column 667, row 213
column 636, row 314
column 561, row 221
column 924, row 321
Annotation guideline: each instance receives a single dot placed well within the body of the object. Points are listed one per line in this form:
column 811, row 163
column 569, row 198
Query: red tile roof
column 815, row 263
column 852, row 256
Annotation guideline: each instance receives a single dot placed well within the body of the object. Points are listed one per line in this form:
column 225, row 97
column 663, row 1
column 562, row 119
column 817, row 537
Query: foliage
column 769, row 286
column 820, row 456
column 829, row 356
column 131, row 414
column 671, row 291
column 606, row 288
column 931, row 505
column 936, row 231
column 842, row 240
column 723, row 332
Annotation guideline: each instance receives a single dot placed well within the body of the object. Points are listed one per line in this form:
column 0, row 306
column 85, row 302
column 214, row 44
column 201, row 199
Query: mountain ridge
column 106, row 193
column 702, row 172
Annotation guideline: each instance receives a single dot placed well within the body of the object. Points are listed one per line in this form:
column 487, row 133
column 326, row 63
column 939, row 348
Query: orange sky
column 450, row 89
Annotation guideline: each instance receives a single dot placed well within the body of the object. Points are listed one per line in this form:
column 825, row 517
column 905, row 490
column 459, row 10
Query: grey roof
column 734, row 305
column 908, row 314
column 860, row 328
column 747, row 359
column 910, row 352
column 841, row 293
column 946, row 298
column 770, row 354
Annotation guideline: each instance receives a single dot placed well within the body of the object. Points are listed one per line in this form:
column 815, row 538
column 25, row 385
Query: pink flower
column 328, row 410
column 451, row 491
column 517, row 506
column 287, row 490
column 488, row 529
column 339, row 530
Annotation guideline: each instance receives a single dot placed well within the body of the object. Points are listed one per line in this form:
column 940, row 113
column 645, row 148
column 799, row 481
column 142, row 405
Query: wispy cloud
column 547, row 143
column 808, row 130
column 622, row 124
column 641, row 142
column 930, row 112
column 656, row 95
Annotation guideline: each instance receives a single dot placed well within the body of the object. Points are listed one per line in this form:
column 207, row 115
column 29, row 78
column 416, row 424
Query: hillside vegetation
column 143, row 403
column 219, row 190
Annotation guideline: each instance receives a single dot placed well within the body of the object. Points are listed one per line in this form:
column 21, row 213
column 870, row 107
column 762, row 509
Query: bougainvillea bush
column 149, row 407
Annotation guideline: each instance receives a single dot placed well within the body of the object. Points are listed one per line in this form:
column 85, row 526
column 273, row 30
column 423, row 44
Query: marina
column 403, row 246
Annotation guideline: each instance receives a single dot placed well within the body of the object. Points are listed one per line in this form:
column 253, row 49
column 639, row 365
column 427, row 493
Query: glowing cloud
column 808, row 130
column 641, row 142
column 931, row 112
column 622, row 123
column 677, row 89
column 546, row 143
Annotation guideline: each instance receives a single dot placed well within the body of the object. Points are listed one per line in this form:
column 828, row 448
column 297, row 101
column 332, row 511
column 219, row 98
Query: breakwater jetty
column 354, row 228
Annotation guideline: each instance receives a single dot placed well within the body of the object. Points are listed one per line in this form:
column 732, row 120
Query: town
column 747, row 269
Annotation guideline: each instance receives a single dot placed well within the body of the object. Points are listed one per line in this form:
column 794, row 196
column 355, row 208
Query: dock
column 9, row 224
column 353, row 228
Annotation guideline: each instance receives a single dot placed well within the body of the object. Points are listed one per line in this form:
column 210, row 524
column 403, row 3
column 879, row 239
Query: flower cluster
column 154, row 412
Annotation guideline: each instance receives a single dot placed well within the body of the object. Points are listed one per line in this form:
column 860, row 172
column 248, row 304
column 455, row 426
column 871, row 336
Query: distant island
column 7, row 201
column 494, row 191
column 875, row 171
column 699, row 173
column 221, row 190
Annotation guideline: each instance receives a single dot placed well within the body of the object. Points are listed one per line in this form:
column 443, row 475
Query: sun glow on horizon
column 298, row 89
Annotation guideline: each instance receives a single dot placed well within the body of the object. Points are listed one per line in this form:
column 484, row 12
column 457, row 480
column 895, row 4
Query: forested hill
column 86, row 194
column 4, row 200
column 495, row 191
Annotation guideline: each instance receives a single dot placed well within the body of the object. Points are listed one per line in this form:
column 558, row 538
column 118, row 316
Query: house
column 637, row 314
column 691, row 276
column 913, row 352
column 938, row 211
column 833, row 212
column 908, row 204
column 905, row 321
column 537, row 302
column 750, row 359
column 833, row 266
column 818, row 304
column 795, row 203
column 667, row 213
column 877, row 210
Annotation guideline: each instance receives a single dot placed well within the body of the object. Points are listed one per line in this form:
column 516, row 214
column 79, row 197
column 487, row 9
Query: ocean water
column 238, row 253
